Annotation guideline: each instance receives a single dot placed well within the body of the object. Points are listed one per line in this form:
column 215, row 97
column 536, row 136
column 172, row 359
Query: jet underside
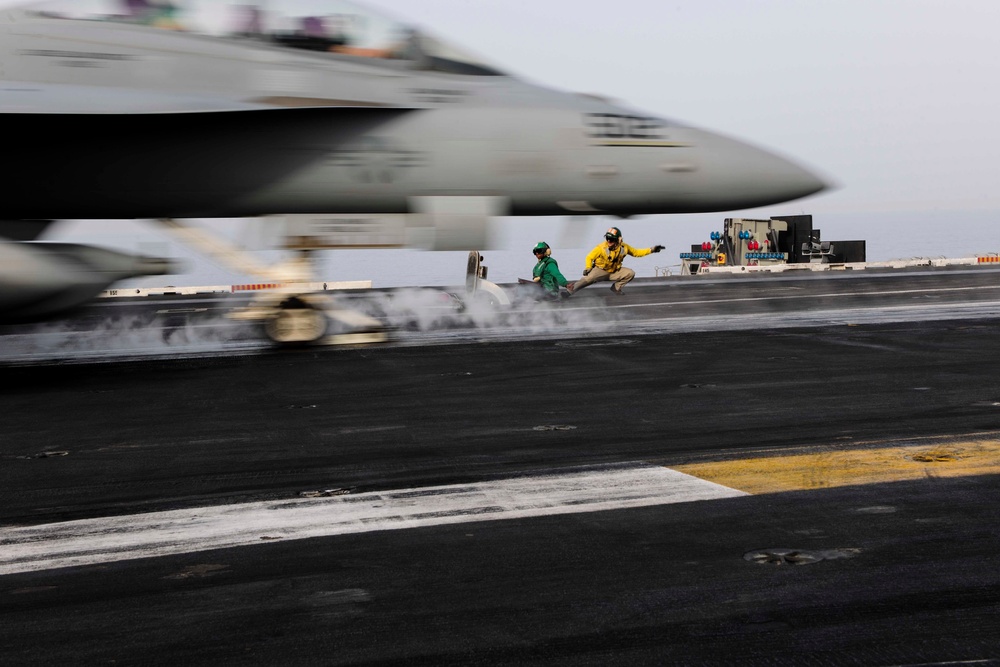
column 169, row 165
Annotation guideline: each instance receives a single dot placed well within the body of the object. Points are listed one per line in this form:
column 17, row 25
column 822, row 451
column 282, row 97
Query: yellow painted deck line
column 801, row 472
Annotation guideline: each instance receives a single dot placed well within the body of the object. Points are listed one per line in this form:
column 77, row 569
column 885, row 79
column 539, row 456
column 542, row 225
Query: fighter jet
column 138, row 109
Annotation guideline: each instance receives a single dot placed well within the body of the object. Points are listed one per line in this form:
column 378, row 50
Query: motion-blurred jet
column 200, row 109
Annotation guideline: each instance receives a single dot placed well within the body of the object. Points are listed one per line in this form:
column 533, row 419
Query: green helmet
column 613, row 234
column 543, row 247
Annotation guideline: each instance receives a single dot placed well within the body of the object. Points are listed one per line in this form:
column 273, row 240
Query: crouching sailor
column 546, row 272
column 605, row 263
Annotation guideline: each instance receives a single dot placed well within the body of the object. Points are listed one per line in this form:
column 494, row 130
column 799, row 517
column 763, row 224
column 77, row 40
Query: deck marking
column 796, row 297
column 107, row 539
column 829, row 469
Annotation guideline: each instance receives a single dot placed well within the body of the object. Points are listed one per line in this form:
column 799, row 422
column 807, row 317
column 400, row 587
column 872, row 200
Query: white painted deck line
column 103, row 540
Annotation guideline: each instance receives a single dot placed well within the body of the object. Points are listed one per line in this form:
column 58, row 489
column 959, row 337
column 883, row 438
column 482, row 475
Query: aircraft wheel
column 296, row 325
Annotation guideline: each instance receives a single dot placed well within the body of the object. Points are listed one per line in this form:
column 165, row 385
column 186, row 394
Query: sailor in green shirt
column 546, row 272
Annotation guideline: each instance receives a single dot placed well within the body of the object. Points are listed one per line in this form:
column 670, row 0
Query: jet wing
column 47, row 98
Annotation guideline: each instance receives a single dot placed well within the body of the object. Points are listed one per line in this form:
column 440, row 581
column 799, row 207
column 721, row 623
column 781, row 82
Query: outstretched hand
column 657, row 248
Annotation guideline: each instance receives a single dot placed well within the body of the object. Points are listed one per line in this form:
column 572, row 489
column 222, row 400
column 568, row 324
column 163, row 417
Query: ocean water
column 888, row 235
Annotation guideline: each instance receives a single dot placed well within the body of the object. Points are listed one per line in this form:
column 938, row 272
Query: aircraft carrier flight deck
column 787, row 469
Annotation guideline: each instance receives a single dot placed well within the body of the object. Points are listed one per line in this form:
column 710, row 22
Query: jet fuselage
column 141, row 122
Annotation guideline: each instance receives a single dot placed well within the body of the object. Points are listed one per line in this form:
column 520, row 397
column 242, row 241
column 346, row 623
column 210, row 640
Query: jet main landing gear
column 295, row 321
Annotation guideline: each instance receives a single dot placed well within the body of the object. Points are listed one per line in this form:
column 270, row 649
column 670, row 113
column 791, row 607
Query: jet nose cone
column 750, row 177
column 778, row 180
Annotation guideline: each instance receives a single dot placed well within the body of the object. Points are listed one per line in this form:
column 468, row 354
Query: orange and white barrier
column 329, row 286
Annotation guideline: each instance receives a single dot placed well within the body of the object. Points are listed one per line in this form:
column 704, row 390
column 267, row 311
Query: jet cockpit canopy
column 341, row 28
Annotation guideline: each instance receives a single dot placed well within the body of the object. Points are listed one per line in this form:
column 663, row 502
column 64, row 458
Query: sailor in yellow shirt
column 605, row 262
